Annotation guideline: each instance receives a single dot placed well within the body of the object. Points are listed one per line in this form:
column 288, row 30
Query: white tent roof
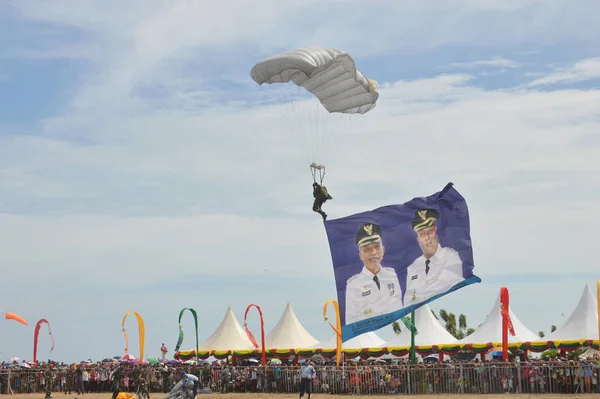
column 430, row 331
column 491, row 329
column 289, row 333
column 230, row 335
column 366, row 340
column 590, row 353
column 583, row 322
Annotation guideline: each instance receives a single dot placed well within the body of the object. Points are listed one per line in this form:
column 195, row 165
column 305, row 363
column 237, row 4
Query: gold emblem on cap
column 368, row 228
column 422, row 214
column 368, row 311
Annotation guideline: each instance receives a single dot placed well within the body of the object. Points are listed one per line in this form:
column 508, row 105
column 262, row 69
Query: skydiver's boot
column 323, row 214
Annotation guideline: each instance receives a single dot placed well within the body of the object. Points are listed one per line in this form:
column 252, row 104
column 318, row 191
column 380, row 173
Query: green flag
column 180, row 340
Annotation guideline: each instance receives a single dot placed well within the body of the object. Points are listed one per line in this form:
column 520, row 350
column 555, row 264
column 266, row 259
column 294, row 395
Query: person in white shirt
column 438, row 269
column 375, row 290
column 163, row 351
column 306, row 375
column 191, row 378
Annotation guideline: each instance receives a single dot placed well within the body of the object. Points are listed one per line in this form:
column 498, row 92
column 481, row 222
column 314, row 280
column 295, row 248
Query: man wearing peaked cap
column 367, row 233
column 424, row 218
column 438, row 269
column 375, row 290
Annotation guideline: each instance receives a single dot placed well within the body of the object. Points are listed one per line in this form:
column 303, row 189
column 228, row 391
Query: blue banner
column 392, row 260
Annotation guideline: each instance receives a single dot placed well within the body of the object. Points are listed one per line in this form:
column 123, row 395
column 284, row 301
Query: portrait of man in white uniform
column 375, row 290
column 438, row 269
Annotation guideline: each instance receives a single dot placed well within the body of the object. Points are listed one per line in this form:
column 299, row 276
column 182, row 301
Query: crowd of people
column 364, row 377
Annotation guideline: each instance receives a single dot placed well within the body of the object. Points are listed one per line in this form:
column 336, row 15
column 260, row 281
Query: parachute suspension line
column 315, row 130
column 306, row 120
column 321, row 130
column 322, row 70
column 288, row 110
column 317, row 170
column 291, row 111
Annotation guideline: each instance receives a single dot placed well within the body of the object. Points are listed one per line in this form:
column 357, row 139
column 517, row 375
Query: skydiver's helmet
column 315, row 184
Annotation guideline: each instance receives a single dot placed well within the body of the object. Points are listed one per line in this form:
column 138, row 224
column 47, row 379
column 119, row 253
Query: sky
column 141, row 168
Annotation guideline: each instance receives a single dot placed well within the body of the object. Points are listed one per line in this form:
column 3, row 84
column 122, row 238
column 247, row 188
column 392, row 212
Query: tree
column 459, row 331
column 570, row 355
column 462, row 322
column 396, row 327
column 549, row 353
column 407, row 323
column 541, row 334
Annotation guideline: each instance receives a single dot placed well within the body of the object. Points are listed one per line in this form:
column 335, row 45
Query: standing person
column 307, row 373
column 79, row 375
column 49, row 381
column 207, row 375
column 142, row 385
column 115, row 377
column 163, row 351
column 70, row 378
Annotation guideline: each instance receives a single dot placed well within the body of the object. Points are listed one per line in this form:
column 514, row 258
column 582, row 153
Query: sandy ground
column 293, row 396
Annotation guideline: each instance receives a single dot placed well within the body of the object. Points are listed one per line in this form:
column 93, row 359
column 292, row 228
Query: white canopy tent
column 583, row 322
column 366, row 340
column 590, row 353
column 491, row 329
column 289, row 333
column 430, row 331
column 230, row 335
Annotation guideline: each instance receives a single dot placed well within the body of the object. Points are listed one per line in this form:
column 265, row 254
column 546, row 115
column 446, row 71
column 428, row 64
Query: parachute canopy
column 327, row 73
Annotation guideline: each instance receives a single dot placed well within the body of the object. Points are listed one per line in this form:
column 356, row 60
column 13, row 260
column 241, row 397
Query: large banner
column 392, row 260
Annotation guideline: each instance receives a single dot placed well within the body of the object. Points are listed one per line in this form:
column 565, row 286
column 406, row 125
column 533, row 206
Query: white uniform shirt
column 364, row 300
column 307, row 371
column 445, row 271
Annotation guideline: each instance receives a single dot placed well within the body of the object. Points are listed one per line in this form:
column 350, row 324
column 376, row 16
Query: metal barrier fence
column 437, row 378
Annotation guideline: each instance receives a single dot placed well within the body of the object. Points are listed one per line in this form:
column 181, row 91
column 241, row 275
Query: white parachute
column 336, row 91
column 184, row 389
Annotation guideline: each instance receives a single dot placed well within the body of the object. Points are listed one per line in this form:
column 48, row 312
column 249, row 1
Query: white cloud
column 584, row 70
column 156, row 30
column 495, row 62
column 504, row 150
column 157, row 188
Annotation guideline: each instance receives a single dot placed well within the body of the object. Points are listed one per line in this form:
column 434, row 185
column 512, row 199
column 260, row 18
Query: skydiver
column 321, row 196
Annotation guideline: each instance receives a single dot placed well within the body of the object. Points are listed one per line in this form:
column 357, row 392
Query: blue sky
column 140, row 169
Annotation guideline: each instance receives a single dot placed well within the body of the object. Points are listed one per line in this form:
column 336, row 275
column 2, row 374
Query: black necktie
column 427, row 266
column 376, row 279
